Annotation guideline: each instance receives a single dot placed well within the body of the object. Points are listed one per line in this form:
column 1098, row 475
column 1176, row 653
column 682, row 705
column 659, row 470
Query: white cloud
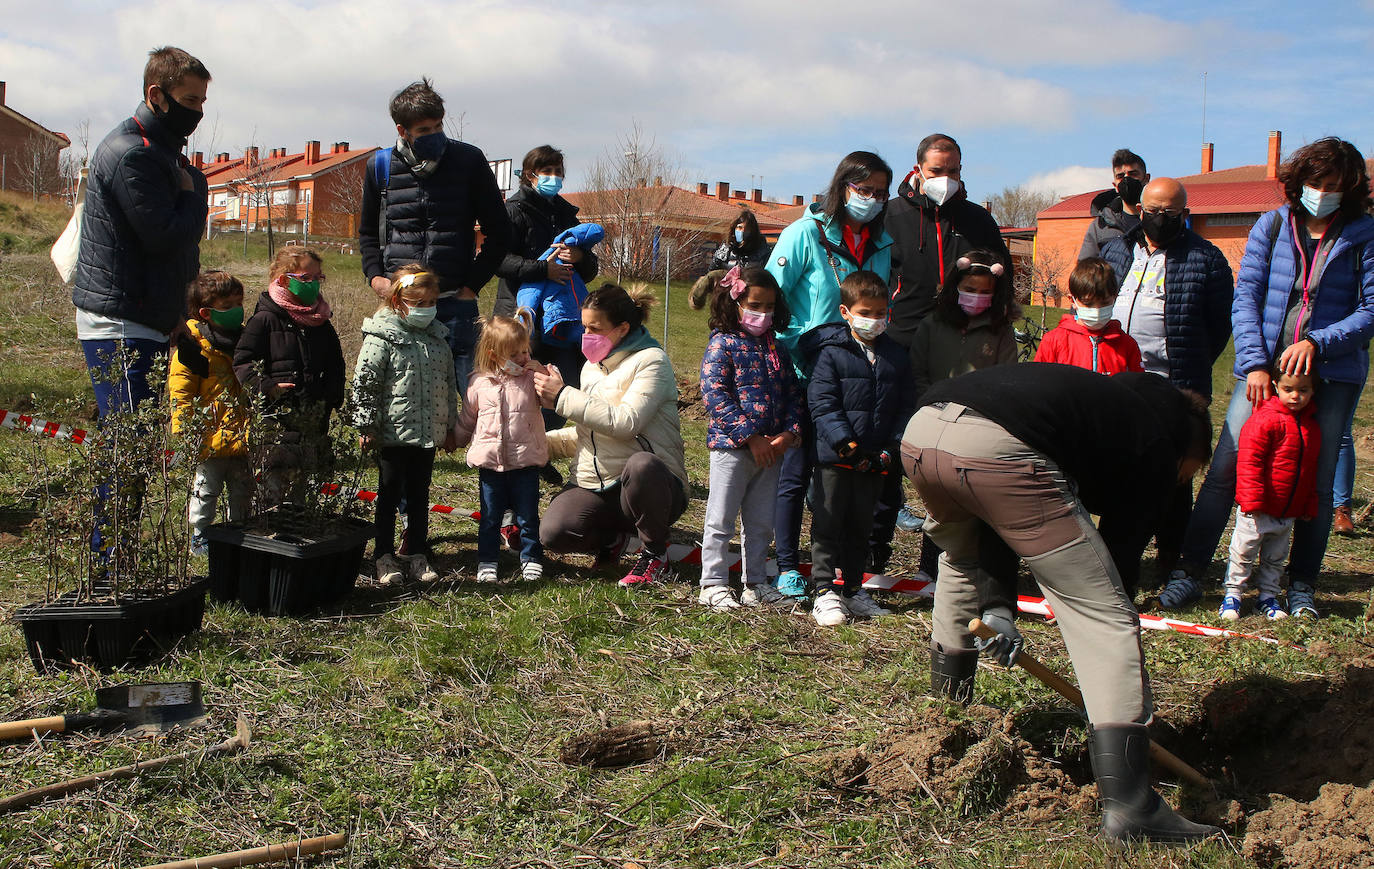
column 1070, row 180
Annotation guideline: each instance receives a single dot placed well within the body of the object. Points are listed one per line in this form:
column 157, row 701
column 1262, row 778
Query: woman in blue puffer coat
column 1304, row 298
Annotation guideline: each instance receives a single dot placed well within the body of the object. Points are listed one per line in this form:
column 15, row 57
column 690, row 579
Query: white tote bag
column 68, row 244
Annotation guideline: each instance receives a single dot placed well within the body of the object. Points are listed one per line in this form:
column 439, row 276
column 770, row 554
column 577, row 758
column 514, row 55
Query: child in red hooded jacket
column 1091, row 339
column 1276, row 484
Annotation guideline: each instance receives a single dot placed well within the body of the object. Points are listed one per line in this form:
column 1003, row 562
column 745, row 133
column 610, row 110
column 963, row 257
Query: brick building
column 312, row 193
column 28, row 153
column 1224, row 205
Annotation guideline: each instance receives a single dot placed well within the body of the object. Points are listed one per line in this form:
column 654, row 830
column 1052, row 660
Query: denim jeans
column 119, row 370
column 517, row 491
column 461, row 318
column 1343, row 487
column 1336, row 403
column 794, row 479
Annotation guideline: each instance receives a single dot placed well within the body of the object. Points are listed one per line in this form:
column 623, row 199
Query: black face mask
column 179, row 120
column 1161, row 228
column 1130, row 189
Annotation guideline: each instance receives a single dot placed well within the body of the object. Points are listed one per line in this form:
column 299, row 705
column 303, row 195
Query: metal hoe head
column 153, row 707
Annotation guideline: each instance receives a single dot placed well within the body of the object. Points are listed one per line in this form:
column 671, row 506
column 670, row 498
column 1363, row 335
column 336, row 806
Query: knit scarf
column 421, row 168
column 306, row 315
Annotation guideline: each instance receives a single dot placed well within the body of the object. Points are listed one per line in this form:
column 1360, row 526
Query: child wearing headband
column 407, row 401
column 754, row 414
column 970, row 328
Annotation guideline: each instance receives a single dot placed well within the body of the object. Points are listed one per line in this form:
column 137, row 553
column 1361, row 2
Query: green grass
column 427, row 722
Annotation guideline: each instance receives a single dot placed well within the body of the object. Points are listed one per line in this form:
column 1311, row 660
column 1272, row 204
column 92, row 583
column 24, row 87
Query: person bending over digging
column 1029, row 452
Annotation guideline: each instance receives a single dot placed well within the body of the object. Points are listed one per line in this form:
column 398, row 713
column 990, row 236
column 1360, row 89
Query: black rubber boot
column 1131, row 810
column 951, row 673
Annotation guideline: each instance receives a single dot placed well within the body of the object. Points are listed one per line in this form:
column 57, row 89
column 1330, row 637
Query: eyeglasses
column 1167, row 212
column 304, row 278
column 877, row 193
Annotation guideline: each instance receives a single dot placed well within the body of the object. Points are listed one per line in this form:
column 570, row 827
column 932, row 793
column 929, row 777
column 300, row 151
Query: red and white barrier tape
column 684, row 554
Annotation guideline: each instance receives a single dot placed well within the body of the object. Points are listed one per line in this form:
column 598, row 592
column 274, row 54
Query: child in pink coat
column 503, row 429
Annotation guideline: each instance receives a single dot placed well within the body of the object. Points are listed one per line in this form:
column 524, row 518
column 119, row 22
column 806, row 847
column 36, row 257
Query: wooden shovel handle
column 1070, row 692
column 265, row 854
column 21, row 729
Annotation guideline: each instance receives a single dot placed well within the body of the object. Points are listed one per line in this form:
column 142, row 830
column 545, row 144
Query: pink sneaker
column 649, row 568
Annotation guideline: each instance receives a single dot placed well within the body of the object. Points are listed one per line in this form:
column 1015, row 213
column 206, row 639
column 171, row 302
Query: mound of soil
column 1335, row 829
column 974, row 764
column 689, row 404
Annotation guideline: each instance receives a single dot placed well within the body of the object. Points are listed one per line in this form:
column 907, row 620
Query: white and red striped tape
column 685, row 554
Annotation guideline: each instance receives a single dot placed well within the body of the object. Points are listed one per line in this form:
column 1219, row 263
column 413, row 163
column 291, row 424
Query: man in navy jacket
column 144, row 215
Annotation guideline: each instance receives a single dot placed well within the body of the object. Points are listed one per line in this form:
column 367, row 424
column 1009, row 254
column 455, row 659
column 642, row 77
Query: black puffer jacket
column 852, row 398
column 140, row 233
column 430, row 221
column 1110, row 221
column 535, row 222
column 308, row 356
column 729, row 255
column 920, row 230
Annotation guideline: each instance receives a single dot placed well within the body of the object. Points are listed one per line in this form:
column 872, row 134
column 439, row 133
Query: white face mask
column 941, row 190
column 867, row 328
column 1093, row 318
column 512, row 369
column 420, row 318
column 1320, row 204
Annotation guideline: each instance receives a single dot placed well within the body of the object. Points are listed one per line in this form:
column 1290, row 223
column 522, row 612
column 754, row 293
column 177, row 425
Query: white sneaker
column 389, row 570
column 420, row 571
column 763, row 594
column 718, row 598
column 830, row 610
column 486, row 571
column 532, row 570
column 863, row 606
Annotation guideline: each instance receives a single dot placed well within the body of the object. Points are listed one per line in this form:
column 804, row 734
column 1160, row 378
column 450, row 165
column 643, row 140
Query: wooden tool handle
column 1158, row 753
column 21, row 729
column 265, row 854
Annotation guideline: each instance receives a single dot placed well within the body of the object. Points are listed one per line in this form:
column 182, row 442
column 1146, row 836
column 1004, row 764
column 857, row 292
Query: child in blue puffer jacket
column 754, row 407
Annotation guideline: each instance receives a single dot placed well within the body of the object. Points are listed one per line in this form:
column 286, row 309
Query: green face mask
column 306, row 291
column 231, row 319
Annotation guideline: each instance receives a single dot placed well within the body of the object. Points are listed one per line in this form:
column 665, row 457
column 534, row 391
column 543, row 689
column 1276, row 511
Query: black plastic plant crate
column 109, row 634
column 300, row 565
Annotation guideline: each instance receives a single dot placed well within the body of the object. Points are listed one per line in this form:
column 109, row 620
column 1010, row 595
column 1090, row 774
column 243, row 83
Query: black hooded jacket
column 535, row 222
column 920, row 230
column 1110, row 221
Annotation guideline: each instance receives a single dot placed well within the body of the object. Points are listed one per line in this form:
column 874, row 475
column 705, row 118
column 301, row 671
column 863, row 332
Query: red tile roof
column 271, row 169
column 672, row 201
column 1205, row 196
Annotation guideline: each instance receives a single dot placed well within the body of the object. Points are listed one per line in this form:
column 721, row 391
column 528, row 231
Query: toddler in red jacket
column 1091, row 339
column 1276, row 484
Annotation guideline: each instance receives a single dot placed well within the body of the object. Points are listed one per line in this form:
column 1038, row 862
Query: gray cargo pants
column 971, row 472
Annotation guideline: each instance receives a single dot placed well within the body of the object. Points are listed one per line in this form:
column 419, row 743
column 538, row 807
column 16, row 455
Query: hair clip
column 965, row 264
column 406, row 280
column 734, row 283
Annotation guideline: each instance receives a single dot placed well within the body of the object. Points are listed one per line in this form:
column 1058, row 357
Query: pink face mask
column 974, row 303
column 755, row 322
column 596, row 347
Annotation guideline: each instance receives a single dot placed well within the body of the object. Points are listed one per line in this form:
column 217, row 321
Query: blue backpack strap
column 381, row 168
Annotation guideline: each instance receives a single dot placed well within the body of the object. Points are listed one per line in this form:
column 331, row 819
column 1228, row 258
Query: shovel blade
column 154, row 707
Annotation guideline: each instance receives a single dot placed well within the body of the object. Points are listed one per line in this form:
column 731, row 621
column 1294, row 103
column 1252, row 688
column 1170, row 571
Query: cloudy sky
column 773, row 92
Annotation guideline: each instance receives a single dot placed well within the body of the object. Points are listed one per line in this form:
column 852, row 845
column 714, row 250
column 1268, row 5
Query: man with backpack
column 422, row 200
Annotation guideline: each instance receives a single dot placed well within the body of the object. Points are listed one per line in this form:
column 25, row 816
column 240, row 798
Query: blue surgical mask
column 548, row 185
column 863, row 208
column 739, row 236
column 420, row 318
column 430, row 146
column 1320, row 204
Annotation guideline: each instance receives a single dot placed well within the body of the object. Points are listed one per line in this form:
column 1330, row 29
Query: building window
column 1230, row 219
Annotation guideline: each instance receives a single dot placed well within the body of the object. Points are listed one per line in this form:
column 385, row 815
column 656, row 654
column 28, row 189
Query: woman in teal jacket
column 841, row 234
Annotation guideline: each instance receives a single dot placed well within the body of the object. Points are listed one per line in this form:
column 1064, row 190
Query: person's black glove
column 880, row 461
column 1004, row 648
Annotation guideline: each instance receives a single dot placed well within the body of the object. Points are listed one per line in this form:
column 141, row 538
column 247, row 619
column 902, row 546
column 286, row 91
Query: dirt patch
column 1335, row 829
column 1277, row 737
column 689, row 403
column 973, row 764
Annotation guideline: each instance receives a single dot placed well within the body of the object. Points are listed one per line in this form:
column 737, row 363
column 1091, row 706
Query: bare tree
column 630, row 192
column 254, row 188
column 1019, row 205
column 74, row 158
column 37, row 167
column 343, row 190
column 1044, row 281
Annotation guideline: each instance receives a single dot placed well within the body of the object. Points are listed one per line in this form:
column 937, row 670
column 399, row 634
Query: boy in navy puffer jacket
column 1276, row 484
column 861, row 394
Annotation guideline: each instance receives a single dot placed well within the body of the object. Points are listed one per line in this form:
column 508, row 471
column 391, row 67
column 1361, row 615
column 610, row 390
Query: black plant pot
column 299, row 564
column 109, row 634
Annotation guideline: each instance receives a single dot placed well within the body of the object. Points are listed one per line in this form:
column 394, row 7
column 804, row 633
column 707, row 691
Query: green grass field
column 427, row 722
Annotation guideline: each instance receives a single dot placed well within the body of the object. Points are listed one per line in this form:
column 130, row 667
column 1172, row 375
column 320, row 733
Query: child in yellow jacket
column 204, row 391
